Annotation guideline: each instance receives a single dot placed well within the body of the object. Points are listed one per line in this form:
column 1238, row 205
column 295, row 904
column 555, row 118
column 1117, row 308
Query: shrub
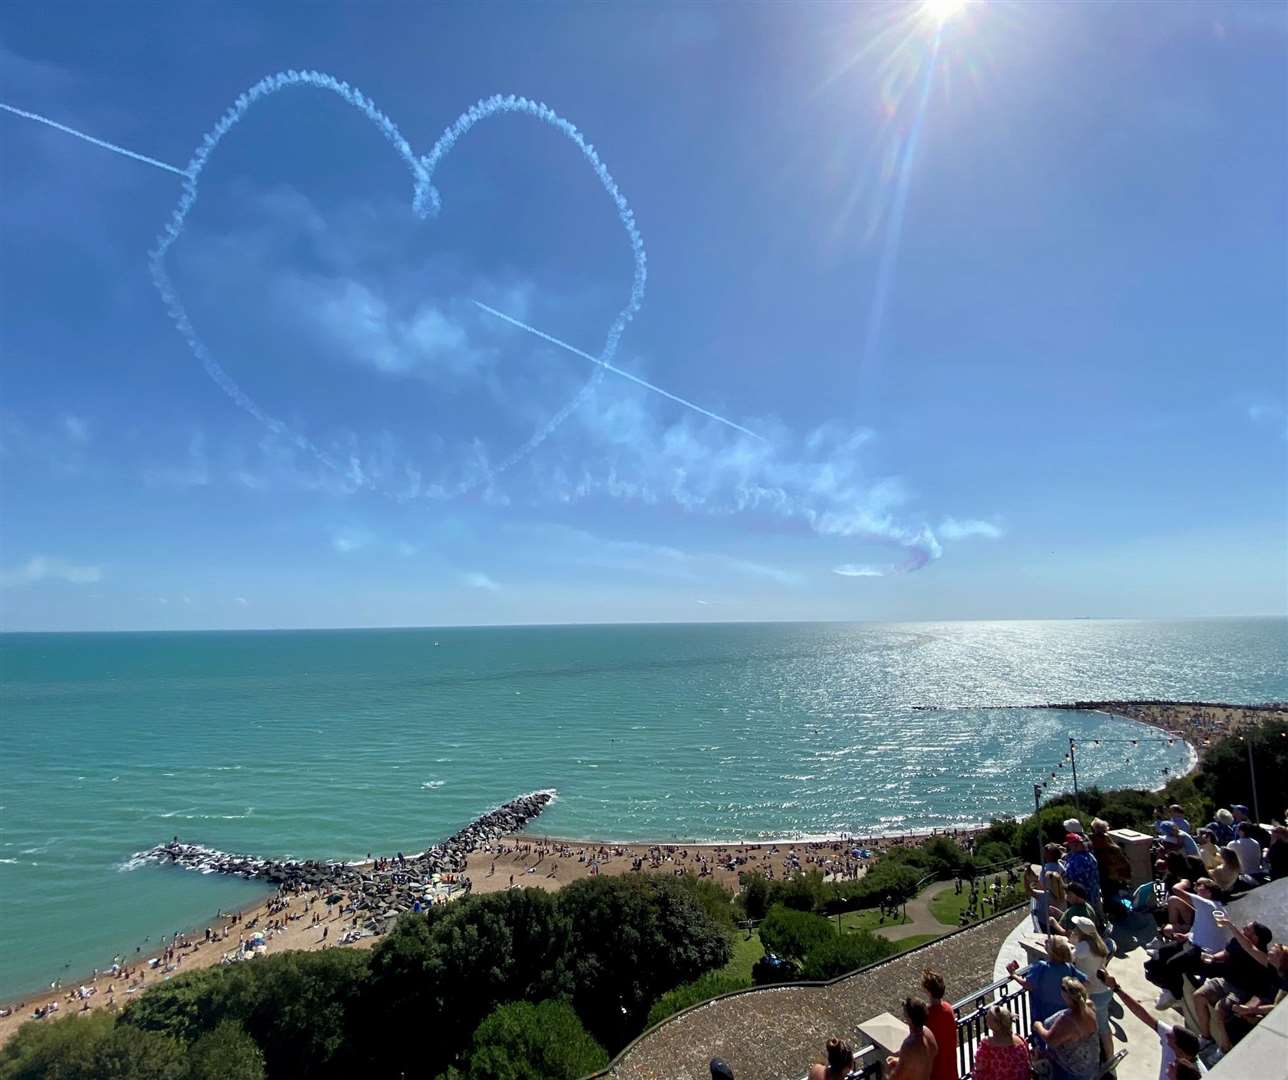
column 522, row 1040
column 633, row 939
column 800, row 891
column 712, row 984
column 755, row 896
column 90, row 1048
column 992, row 853
column 793, row 933
column 226, row 1053
column 712, row 897
column 845, row 952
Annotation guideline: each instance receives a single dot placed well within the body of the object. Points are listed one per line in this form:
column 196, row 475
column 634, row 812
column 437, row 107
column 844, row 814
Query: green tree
column 226, row 1053
column 633, row 939
column 793, row 934
column 1226, row 776
column 802, row 891
column 63, row 1049
column 714, row 898
column 712, row 984
column 452, row 967
column 845, row 952
column 755, row 895
column 523, row 1041
column 130, row 1054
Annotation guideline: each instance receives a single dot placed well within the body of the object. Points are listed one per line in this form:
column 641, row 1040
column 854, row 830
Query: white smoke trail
column 616, row 370
column 426, row 202
column 90, row 139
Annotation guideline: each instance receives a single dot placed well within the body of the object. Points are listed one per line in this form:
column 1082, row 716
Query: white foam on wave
column 431, row 784
column 9, row 862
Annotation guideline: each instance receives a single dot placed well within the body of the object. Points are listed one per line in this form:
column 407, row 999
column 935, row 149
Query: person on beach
column 837, row 1063
column 942, row 1023
column 919, row 1051
column 1001, row 1055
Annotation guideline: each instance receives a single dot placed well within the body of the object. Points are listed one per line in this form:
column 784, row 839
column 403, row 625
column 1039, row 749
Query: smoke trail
column 616, row 370
column 90, row 139
column 894, row 232
column 426, row 203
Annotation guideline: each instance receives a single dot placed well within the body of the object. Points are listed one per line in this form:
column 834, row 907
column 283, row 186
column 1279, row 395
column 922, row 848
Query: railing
column 970, row 1012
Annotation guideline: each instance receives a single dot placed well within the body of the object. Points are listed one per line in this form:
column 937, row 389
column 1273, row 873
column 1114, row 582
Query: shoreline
column 1195, row 723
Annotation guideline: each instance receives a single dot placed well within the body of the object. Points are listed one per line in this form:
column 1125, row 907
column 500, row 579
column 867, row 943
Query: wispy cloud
column 345, row 541
column 476, row 580
column 960, row 529
column 49, row 568
column 1269, row 414
column 242, row 602
column 760, row 570
column 75, row 428
column 857, row 570
column 192, row 471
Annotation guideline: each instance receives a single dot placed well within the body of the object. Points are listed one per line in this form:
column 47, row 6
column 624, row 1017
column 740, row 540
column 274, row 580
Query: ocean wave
column 431, row 784
column 9, row 862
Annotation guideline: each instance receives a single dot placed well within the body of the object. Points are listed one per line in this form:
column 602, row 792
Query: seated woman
column 1001, row 1055
column 1071, row 1036
column 840, row 1062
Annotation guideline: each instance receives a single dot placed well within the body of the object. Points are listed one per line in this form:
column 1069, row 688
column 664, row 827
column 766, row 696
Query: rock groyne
column 382, row 894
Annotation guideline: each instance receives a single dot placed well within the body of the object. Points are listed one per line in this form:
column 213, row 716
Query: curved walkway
column 920, row 921
column 776, row 1033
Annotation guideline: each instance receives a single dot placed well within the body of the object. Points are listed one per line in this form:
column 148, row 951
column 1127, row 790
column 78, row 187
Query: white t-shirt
column 1249, row 852
column 1089, row 963
column 1205, row 933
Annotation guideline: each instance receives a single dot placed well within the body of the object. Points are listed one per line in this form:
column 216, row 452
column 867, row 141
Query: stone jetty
column 376, row 897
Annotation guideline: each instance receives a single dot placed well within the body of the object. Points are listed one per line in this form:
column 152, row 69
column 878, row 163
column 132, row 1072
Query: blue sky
column 1018, row 351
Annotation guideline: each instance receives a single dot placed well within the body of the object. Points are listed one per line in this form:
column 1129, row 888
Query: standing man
column 942, row 1022
column 916, row 1057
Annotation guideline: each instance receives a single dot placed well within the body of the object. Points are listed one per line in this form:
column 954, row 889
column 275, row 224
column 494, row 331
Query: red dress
column 1001, row 1062
column 943, row 1026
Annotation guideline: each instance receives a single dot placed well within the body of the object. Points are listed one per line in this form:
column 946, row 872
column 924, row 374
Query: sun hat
column 1225, row 817
column 1073, row 825
column 1084, row 924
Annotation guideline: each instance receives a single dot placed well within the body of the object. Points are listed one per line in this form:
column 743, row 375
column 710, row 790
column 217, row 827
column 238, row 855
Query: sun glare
column 942, row 10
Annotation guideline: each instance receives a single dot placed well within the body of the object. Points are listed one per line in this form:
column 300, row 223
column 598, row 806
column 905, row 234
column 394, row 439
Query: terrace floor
column 778, row 1033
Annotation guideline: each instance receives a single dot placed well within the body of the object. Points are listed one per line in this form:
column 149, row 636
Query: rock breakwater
column 376, row 893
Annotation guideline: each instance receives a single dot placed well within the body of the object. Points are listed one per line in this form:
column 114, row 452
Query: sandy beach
column 525, row 860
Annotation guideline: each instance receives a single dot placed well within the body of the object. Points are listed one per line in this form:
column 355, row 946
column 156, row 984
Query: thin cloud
column 961, row 529
column 242, row 601
column 350, row 540
column 760, row 570
column 856, row 570
column 48, row 568
column 477, row 580
column 75, row 428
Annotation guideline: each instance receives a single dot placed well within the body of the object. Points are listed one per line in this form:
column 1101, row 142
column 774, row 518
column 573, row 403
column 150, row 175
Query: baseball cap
column 1240, row 807
column 1084, row 924
column 1075, row 838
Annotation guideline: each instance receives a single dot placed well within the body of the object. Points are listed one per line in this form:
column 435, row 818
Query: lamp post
column 1073, row 763
column 1037, row 806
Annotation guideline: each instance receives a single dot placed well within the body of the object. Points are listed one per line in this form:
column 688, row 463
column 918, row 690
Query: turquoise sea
column 334, row 744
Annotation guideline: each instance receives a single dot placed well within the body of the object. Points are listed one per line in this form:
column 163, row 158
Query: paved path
column 775, row 1034
column 920, row 921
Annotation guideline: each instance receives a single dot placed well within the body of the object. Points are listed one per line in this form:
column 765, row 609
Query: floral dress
column 1001, row 1062
column 1076, row 1060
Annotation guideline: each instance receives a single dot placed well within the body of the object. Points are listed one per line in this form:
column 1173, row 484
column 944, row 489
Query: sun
column 942, row 10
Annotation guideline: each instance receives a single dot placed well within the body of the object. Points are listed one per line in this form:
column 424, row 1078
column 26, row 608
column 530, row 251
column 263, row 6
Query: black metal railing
column 970, row 1011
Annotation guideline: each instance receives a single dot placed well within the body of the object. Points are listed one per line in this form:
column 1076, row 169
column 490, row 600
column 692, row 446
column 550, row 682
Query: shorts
column 1101, row 1001
column 1219, row 989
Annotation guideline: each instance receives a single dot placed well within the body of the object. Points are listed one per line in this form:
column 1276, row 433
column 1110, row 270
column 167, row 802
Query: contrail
column 90, row 139
column 617, row 371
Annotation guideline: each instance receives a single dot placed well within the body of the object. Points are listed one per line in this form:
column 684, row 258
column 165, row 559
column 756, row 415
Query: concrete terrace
column 777, row 1033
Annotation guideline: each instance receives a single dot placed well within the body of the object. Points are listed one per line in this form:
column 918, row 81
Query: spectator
column 1248, row 848
column 1241, row 818
column 942, row 1022
column 1183, row 870
column 1223, row 827
column 1209, row 849
column 1277, row 852
column 1001, row 1054
column 1230, row 1023
column 1072, row 1043
column 916, row 1057
column 1178, row 819
column 1080, row 867
column 1090, row 955
column 840, row 1062
column 1229, row 875
column 1178, row 1044
column 1043, row 979
column 1175, row 840
column 1115, row 868
column 1236, row 975
column 1077, row 906
column 1173, row 960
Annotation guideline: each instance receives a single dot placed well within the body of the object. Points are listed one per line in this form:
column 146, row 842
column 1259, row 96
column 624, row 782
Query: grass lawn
column 869, row 919
column 745, row 954
column 948, row 905
column 904, row 944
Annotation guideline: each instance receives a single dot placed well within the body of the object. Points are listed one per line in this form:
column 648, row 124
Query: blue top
column 1081, row 866
column 1044, row 981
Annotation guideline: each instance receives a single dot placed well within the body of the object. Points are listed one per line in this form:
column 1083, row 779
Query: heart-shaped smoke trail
column 426, row 203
